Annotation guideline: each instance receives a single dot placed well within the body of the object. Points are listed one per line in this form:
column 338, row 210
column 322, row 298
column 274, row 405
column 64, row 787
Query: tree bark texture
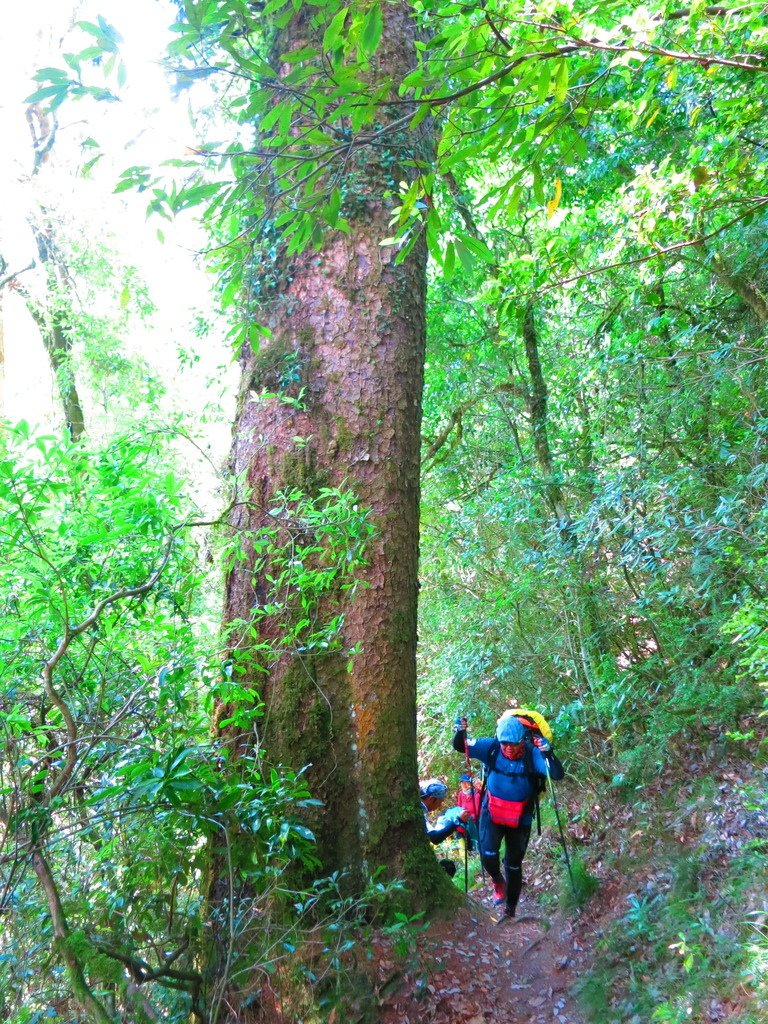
column 349, row 327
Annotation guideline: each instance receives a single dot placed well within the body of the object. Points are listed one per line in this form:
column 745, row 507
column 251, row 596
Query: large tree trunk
column 343, row 370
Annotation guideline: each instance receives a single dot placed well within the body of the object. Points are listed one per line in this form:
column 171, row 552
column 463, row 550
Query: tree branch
column 9, row 278
column 654, row 255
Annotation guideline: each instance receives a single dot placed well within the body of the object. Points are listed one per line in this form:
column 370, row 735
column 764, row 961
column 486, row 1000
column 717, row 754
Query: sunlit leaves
column 57, row 85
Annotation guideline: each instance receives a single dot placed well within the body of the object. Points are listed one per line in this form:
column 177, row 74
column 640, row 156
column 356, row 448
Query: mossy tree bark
column 343, row 372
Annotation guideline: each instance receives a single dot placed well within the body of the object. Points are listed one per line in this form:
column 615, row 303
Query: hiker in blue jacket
column 432, row 793
column 515, row 769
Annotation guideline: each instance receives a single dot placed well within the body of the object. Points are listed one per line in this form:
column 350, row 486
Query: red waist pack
column 506, row 812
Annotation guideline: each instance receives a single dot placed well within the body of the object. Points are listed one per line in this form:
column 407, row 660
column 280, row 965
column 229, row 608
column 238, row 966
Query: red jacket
column 469, row 802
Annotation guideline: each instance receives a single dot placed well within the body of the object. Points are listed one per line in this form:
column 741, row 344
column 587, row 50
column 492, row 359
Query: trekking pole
column 562, row 834
column 477, row 811
column 466, row 867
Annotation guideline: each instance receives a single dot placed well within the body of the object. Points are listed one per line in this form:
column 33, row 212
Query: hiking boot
column 499, row 892
column 504, row 914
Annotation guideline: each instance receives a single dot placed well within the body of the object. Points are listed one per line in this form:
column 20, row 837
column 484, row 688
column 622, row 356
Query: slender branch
column 454, row 420
column 141, row 970
column 712, row 12
column 496, row 31
column 704, row 59
column 17, row 273
column 89, row 1004
column 654, row 255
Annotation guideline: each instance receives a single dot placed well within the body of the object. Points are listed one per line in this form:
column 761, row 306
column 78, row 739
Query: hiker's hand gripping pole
column 560, row 829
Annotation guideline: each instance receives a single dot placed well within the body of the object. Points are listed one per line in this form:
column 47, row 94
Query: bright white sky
column 48, row 29
column 145, row 127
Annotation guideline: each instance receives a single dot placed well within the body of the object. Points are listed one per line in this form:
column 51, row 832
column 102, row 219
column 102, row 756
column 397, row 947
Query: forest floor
column 474, row 969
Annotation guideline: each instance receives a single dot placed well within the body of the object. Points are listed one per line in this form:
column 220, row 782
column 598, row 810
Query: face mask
column 513, row 751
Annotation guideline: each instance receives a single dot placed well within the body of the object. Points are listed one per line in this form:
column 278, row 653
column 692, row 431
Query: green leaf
column 543, row 83
column 432, row 235
column 372, row 29
column 419, row 116
column 333, row 207
column 304, row 832
column 478, row 247
column 297, row 56
column 332, row 33
column 460, row 155
column 48, row 92
column 465, row 255
column 561, row 81
column 449, row 261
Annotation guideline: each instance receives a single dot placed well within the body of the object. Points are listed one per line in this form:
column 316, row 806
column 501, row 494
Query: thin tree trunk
column 589, row 621
column 537, row 408
column 58, row 344
column 53, row 322
column 81, row 991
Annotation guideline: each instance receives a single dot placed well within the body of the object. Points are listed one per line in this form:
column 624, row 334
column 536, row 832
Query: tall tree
column 332, row 398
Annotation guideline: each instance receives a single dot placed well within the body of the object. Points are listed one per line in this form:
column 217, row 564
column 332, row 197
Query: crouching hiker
column 516, row 771
column 432, row 794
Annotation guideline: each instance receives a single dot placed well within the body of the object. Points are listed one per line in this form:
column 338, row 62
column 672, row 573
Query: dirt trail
column 472, row 970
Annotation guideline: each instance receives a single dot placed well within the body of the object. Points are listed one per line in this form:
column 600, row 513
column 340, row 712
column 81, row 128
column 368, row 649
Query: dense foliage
column 112, row 791
column 594, row 486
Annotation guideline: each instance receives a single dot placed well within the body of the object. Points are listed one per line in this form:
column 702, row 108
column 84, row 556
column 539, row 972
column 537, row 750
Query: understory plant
column 114, row 793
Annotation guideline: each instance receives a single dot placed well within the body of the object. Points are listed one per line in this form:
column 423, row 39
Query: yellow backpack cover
column 534, row 720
